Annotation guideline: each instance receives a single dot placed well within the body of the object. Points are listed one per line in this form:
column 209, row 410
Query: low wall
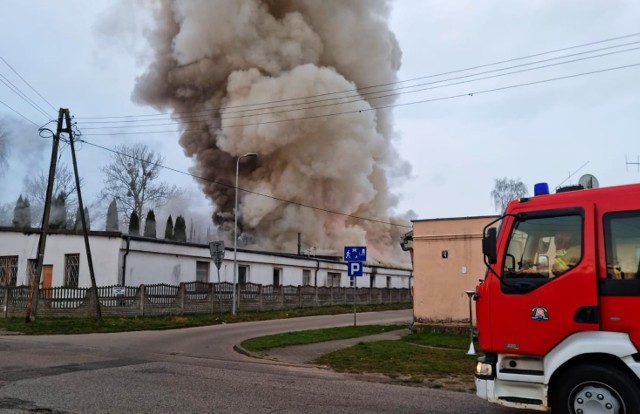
column 192, row 297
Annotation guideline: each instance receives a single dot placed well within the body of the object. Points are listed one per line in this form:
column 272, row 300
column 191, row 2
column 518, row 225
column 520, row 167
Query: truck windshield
column 543, row 247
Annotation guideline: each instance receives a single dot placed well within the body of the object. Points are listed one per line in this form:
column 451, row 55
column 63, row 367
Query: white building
column 120, row 259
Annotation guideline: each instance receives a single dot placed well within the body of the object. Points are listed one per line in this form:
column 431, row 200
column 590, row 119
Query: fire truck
column 558, row 312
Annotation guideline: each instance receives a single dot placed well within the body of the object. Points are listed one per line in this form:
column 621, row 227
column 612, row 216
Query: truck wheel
column 590, row 389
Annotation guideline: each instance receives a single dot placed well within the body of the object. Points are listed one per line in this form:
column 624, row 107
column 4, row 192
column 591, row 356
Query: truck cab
column 558, row 313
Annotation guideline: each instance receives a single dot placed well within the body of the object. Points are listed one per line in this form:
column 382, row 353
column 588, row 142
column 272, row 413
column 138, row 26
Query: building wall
column 160, row 261
column 104, row 253
column 447, row 261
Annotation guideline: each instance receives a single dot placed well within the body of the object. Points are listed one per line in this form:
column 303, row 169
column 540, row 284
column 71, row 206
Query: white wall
column 159, row 261
column 104, row 252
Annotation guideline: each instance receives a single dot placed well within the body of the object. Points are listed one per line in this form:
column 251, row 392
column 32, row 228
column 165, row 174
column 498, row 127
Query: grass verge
column 315, row 335
column 53, row 326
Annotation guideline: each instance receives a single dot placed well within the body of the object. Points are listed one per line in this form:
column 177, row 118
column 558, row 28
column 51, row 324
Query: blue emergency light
column 540, row 189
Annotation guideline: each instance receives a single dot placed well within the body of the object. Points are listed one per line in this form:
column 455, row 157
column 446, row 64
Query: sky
column 457, row 135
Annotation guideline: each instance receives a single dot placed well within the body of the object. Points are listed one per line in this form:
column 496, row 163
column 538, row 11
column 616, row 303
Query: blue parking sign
column 354, row 269
column 355, row 253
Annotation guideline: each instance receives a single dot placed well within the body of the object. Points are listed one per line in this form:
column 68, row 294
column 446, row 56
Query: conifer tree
column 22, row 213
column 113, row 224
column 150, row 225
column 134, row 224
column 168, row 231
column 180, row 230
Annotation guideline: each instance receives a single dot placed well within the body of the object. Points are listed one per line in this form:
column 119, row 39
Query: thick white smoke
column 215, row 60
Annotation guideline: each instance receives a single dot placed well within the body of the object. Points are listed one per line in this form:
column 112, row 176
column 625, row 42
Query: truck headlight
column 485, row 367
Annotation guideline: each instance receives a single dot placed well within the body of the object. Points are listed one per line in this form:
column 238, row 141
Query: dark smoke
column 213, row 58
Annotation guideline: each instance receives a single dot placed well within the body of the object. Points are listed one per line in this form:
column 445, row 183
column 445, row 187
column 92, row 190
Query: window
column 243, row 274
column 277, row 276
column 352, row 280
column 388, row 282
column 202, row 272
column 372, row 281
column 333, row 279
column 71, row 270
column 622, row 245
column 306, row 277
column 8, row 270
column 543, row 247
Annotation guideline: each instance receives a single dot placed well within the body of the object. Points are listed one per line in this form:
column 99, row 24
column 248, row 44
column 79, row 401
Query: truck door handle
column 587, row 314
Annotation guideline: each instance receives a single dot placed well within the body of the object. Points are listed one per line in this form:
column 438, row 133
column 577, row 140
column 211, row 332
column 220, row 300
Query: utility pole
column 34, row 286
column 85, row 230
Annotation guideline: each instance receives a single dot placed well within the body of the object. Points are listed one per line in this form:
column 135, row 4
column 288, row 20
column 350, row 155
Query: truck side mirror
column 489, row 245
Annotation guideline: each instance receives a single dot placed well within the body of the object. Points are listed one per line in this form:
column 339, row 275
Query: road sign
column 354, row 269
column 216, row 248
column 355, row 253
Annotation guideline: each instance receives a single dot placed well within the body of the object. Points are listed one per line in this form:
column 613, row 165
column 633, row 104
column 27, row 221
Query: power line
column 359, row 100
column 462, row 95
column 24, row 117
column 13, row 88
column 241, row 189
column 379, row 85
column 28, row 84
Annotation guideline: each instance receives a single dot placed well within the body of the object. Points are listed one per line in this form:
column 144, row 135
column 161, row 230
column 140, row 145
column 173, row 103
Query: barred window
column 71, row 270
column 202, row 272
column 8, row 270
column 306, row 277
column 333, row 279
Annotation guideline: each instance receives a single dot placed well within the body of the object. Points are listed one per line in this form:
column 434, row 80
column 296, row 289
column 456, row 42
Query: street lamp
column 235, row 233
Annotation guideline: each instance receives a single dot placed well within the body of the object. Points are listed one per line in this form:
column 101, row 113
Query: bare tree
column 132, row 179
column 35, row 188
column 505, row 190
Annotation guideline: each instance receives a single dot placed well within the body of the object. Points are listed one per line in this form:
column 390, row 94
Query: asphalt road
column 196, row 370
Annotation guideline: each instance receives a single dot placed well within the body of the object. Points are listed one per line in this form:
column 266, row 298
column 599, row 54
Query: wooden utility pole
column 34, row 285
column 85, row 230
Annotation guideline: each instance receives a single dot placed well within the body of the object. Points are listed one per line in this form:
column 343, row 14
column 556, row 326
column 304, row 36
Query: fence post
column 331, row 295
column 260, row 292
column 281, row 288
column 212, row 296
column 299, row 296
column 181, row 295
column 6, row 302
column 238, row 296
column 141, row 290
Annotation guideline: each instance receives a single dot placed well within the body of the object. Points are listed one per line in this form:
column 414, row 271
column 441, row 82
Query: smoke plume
column 284, row 79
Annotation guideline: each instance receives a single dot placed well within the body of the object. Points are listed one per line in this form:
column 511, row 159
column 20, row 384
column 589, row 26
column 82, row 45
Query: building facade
column 447, row 261
column 120, row 259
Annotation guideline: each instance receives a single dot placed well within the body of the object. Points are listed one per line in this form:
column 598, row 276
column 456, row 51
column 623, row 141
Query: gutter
column 124, row 262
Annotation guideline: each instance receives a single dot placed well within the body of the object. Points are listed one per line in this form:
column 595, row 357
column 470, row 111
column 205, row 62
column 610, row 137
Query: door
column 548, row 286
column 47, row 275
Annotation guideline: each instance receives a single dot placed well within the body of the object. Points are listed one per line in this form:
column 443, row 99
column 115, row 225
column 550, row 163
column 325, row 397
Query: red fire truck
column 558, row 313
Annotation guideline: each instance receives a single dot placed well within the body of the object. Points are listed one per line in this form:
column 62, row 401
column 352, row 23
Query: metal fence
column 191, row 297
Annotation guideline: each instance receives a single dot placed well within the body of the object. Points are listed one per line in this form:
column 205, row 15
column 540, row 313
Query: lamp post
column 235, row 234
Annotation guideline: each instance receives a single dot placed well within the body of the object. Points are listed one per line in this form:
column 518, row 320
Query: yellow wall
column 439, row 284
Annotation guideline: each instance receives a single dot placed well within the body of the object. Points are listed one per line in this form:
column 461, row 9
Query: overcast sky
column 456, row 147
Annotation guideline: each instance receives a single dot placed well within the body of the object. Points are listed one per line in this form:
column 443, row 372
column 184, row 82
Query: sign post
column 216, row 248
column 355, row 256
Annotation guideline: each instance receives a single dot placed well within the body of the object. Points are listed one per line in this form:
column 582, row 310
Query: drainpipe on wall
column 124, row 262
column 299, row 244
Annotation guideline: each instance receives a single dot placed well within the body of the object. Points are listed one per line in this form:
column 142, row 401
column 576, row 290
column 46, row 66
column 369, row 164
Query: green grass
column 44, row 326
column 315, row 335
column 435, row 360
